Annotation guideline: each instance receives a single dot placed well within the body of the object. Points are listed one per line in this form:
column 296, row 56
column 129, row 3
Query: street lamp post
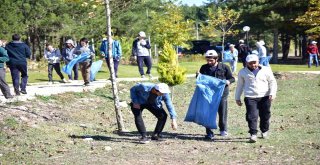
column 246, row 29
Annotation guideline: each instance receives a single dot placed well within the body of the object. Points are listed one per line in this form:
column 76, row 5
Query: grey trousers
column 3, row 84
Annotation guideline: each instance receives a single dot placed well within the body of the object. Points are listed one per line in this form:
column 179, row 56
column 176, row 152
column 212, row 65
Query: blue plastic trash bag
column 205, row 101
column 95, row 67
column 227, row 56
column 68, row 68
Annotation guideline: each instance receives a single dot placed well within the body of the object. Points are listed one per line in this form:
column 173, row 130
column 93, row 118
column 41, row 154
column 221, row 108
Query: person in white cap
column 313, row 52
column 149, row 96
column 234, row 61
column 259, row 87
column 221, row 71
column 140, row 51
column 262, row 50
column 68, row 55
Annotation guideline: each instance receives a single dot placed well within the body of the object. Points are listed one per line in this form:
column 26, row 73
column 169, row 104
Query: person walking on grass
column 68, row 55
column 313, row 52
column 85, row 66
column 18, row 53
column 221, row 71
column 149, row 96
column 259, row 87
column 3, row 84
column 116, row 53
column 140, row 51
column 53, row 56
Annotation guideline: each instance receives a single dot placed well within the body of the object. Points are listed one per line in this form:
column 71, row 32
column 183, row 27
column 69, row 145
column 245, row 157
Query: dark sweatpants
column 3, row 84
column 147, row 61
column 16, row 69
column 160, row 114
column 222, row 112
column 56, row 67
column 258, row 107
column 115, row 66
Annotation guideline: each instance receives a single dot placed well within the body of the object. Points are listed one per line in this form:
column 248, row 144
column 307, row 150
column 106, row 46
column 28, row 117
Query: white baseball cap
column 313, row 42
column 142, row 34
column 211, row 53
column 69, row 41
column 261, row 42
column 162, row 87
column 241, row 41
column 252, row 57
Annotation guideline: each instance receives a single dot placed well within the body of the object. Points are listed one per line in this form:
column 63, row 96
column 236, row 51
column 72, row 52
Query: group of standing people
column 254, row 80
column 69, row 53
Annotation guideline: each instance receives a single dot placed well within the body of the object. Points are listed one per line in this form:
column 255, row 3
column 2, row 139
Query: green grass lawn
column 79, row 128
column 41, row 74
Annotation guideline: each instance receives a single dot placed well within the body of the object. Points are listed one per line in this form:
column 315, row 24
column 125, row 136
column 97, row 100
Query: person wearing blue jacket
column 18, row 53
column 221, row 71
column 116, row 54
column 149, row 96
column 3, row 84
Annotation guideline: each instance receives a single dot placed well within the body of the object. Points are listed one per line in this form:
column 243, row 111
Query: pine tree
column 168, row 68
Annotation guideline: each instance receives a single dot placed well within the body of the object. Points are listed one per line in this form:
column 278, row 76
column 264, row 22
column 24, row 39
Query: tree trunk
column 113, row 77
column 285, row 46
column 295, row 46
column 304, row 47
column 38, row 58
column 275, row 46
column 300, row 46
column 223, row 35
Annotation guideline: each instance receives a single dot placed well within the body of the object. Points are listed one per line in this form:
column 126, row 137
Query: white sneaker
column 264, row 135
column 253, row 138
column 142, row 76
column 50, row 83
column 64, row 80
column 224, row 133
column 150, row 76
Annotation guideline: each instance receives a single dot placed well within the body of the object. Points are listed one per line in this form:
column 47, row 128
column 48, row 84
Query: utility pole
column 113, row 77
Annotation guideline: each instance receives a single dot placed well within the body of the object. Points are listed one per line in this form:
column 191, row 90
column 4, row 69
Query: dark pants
column 75, row 70
column 222, row 112
column 147, row 61
column 258, row 107
column 160, row 114
column 16, row 69
column 115, row 66
column 56, row 67
column 3, row 84
column 85, row 71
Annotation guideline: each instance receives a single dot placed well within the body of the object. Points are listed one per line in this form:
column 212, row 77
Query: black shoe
column 23, row 92
column 9, row 97
column 157, row 137
column 86, row 84
column 17, row 93
column 144, row 140
column 209, row 137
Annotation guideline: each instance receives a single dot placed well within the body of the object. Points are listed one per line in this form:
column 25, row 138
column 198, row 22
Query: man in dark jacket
column 18, row 53
column 221, row 71
column 3, row 84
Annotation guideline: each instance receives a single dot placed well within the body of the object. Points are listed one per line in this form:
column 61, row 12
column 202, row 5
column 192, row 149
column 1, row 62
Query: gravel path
column 43, row 89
